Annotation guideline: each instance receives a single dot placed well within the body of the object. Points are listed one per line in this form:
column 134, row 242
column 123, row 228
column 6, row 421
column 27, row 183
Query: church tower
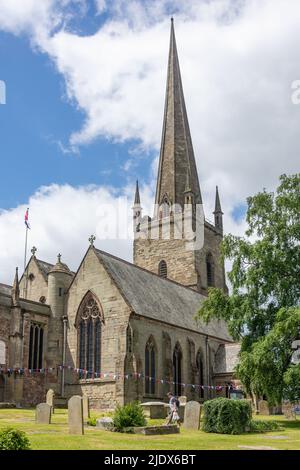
column 161, row 243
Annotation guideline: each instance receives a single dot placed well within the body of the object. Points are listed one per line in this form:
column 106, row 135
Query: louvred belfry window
column 89, row 327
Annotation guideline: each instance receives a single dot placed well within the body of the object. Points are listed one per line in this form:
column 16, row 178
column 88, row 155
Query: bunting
column 86, row 374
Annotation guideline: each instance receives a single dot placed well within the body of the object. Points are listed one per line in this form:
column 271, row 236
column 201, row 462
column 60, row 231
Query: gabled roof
column 159, row 299
column 45, row 268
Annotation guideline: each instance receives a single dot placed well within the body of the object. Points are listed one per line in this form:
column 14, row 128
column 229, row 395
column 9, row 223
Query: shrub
column 92, row 421
column 264, row 426
column 225, row 416
column 13, row 439
column 129, row 415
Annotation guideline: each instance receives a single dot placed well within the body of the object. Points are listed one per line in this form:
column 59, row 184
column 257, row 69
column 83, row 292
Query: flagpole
column 25, row 257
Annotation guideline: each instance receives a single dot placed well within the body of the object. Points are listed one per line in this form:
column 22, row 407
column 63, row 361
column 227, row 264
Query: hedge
column 226, row 416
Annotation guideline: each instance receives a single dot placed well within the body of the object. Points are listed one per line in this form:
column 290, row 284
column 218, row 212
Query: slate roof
column 44, row 267
column 159, row 299
column 5, row 289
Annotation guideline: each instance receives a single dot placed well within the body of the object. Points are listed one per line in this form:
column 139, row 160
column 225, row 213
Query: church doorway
column 177, row 362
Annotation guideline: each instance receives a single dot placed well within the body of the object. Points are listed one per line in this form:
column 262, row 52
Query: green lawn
column 55, row 436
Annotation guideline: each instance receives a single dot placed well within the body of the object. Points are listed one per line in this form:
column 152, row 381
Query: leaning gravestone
column 50, row 399
column 75, row 415
column 43, row 414
column 85, row 407
column 263, row 407
column 192, row 415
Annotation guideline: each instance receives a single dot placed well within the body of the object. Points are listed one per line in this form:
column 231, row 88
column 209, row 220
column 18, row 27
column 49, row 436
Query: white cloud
column 238, row 62
column 62, row 218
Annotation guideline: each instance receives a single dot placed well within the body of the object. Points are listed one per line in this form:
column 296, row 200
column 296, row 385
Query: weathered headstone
column 154, row 410
column 86, row 408
column 50, row 399
column 263, row 407
column 43, row 414
column 105, row 423
column 192, row 415
column 182, row 400
column 75, row 415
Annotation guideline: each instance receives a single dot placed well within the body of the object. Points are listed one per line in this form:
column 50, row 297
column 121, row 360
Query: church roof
column 160, row 299
column 45, row 268
column 177, row 160
column 5, row 289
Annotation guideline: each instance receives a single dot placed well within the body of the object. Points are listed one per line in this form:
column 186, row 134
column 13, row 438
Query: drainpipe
column 65, row 323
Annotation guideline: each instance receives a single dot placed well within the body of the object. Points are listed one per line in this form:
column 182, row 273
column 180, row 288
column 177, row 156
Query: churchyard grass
column 56, row 435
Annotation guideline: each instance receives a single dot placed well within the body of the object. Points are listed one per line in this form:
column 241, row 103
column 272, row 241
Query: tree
column 263, row 309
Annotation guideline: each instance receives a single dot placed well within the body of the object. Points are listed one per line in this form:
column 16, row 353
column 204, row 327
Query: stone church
column 117, row 331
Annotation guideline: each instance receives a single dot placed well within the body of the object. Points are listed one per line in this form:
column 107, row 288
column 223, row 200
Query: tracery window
column 177, row 363
column 200, row 368
column 150, row 369
column 89, row 327
column 36, row 345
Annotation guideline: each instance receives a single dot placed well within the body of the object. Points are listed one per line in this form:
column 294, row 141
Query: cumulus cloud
column 238, row 62
column 62, row 218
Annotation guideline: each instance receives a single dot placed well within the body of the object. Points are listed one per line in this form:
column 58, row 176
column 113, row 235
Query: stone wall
column 93, row 277
column 184, row 266
column 37, row 287
column 165, row 338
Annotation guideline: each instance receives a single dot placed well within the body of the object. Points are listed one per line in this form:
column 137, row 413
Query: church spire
column 177, row 161
column 218, row 212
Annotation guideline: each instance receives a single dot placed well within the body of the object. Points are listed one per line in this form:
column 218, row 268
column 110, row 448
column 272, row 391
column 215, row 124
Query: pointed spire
column 176, row 155
column 218, row 212
column 217, row 203
column 137, row 200
column 15, row 292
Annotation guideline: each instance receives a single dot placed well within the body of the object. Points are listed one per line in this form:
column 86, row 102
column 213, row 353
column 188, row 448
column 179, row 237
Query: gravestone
column 43, row 414
column 86, row 408
column 105, row 423
column 182, row 400
column 50, row 399
column 192, row 415
column 154, row 409
column 263, row 408
column 75, row 415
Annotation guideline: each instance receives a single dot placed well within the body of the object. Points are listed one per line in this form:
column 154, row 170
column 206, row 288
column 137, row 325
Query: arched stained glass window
column 150, row 367
column 200, row 368
column 89, row 326
column 36, row 345
column 177, row 364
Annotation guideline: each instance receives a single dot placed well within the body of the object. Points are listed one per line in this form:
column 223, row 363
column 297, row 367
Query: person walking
column 174, row 404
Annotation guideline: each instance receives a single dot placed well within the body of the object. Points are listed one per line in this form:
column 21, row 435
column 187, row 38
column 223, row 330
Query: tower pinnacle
column 218, row 212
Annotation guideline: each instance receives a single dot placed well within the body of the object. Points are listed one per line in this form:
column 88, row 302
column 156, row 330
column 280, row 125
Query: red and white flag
column 26, row 219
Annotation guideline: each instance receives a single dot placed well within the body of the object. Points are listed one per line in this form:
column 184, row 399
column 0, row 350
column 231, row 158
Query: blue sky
column 85, row 84
column 37, row 120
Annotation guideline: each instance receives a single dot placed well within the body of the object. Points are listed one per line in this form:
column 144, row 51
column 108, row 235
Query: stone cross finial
column 33, row 250
column 92, row 239
column 59, row 258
